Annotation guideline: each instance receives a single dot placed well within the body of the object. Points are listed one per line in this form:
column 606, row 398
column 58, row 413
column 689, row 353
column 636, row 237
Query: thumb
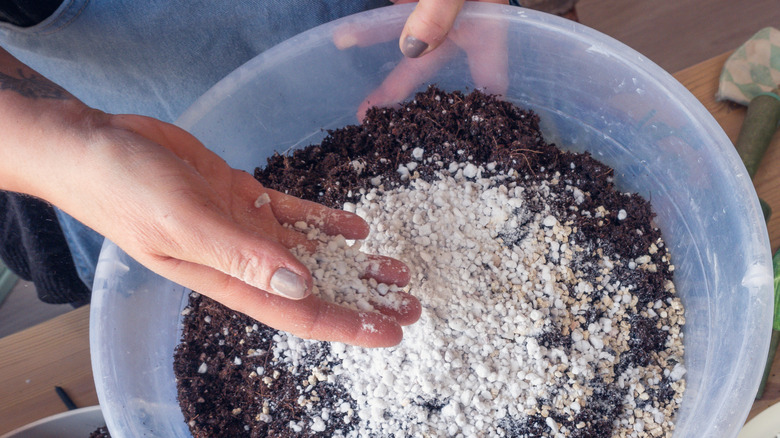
column 257, row 261
column 265, row 264
column 293, row 282
column 428, row 25
column 211, row 251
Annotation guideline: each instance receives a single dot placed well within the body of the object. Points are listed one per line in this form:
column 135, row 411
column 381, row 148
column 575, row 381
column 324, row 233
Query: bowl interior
column 592, row 93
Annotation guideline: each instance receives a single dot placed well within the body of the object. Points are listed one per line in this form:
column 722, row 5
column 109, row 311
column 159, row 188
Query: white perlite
column 488, row 295
column 262, row 200
column 456, row 352
column 337, row 268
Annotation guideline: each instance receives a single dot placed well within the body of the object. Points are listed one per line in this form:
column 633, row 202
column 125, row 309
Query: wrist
column 41, row 138
column 44, row 129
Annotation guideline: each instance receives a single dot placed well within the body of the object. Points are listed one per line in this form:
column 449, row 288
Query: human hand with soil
column 182, row 211
column 430, row 38
column 223, row 236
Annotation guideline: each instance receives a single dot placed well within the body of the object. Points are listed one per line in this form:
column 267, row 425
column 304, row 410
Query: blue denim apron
column 155, row 57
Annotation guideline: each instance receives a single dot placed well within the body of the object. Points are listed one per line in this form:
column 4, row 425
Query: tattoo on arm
column 33, row 86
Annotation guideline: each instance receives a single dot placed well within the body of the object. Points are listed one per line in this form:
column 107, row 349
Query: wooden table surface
column 56, row 353
column 35, row 360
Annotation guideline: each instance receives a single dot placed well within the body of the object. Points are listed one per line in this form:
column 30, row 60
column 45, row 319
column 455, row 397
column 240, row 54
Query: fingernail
column 288, row 284
column 412, row 47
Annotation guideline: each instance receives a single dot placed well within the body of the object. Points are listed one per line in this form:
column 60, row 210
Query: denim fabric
column 155, row 57
column 84, row 243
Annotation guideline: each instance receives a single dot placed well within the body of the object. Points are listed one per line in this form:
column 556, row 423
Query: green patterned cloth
column 7, row 281
column 753, row 69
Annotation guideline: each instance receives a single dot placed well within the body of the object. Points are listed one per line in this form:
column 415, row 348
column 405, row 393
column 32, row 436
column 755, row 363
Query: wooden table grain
column 56, row 353
column 35, row 360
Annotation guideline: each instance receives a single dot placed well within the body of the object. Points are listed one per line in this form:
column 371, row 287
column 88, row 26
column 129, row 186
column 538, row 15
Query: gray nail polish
column 412, row 47
column 288, row 284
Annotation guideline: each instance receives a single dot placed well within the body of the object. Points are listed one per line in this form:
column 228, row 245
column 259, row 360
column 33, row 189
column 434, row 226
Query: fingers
column 264, row 222
column 405, row 78
column 353, row 35
column 313, row 318
column 310, row 318
column 428, row 25
column 289, row 209
column 485, row 43
column 387, row 270
column 401, row 306
column 490, row 71
column 404, row 308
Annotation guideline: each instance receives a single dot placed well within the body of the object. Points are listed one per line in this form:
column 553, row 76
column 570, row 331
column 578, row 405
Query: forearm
column 42, row 127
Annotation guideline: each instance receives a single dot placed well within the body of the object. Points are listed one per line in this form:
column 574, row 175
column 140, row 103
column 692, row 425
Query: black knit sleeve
column 25, row 13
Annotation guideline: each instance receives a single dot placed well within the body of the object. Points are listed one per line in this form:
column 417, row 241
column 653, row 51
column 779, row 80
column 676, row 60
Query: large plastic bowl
column 593, row 94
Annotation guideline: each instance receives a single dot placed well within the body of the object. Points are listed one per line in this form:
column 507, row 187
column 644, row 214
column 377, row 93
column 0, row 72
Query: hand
column 431, row 27
column 180, row 210
column 431, row 22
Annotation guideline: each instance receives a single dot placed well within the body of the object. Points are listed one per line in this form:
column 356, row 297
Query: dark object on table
column 65, row 398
